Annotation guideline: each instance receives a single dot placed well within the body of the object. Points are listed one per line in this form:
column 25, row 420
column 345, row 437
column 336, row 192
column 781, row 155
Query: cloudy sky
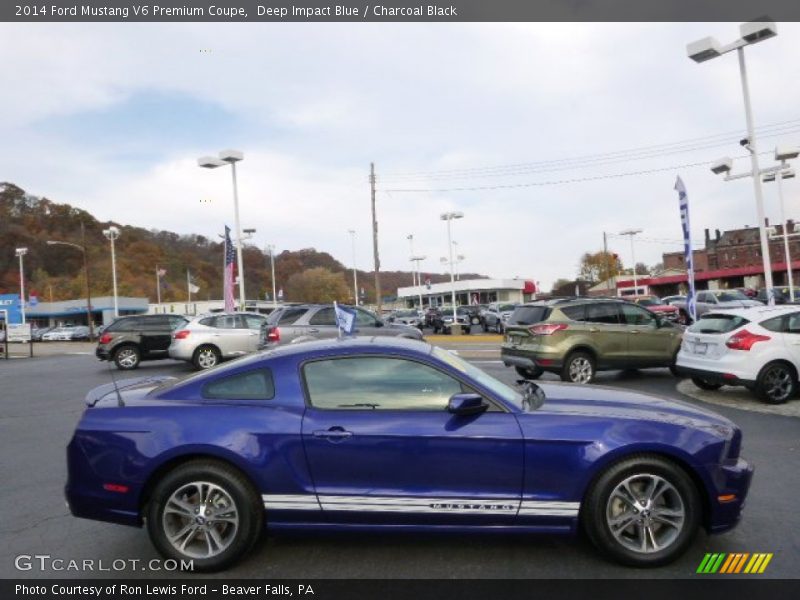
column 495, row 120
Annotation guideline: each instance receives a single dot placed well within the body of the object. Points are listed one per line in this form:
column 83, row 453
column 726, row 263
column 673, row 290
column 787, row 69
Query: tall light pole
column 418, row 260
column 410, row 239
column 352, row 233
column 449, row 216
column 112, row 233
column 20, row 252
column 708, row 48
column 631, row 233
column 783, row 155
column 271, row 250
column 82, row 248
column 231, row 157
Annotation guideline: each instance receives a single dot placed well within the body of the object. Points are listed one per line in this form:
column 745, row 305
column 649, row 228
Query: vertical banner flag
column 345, row 319
column 683, row 199
column 230, row 272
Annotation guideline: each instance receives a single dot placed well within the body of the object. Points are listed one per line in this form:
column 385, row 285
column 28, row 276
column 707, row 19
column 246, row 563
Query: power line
column 653, row 151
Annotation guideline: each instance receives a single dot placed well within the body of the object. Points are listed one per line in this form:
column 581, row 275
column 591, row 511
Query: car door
column 367, row 324
column 231, row 335
column 156, row 334
column 606, row 331
column 648, row 343
column 791, row 336
column 322, row 324
column 258, row 331
column 382, row 447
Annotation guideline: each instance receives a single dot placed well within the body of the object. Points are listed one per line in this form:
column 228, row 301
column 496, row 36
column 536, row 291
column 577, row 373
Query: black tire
column 580, row 367
column 206, row 357
column 485, row 327
column 467, row 330
column 127, row 357
column 776, row 383
column 498, row 327
column 236, row 492
column 602, row 506
column 673, row 367
column 706, row 385
column 533, row 373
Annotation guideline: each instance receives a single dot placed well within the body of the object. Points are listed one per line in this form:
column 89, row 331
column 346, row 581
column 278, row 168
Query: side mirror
column 466, row 404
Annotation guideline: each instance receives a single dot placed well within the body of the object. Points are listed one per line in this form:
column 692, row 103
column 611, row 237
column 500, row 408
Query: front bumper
column 730, row 479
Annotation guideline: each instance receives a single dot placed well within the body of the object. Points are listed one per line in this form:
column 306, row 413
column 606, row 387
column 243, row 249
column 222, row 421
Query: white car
column 207, row 340
column 758, row 348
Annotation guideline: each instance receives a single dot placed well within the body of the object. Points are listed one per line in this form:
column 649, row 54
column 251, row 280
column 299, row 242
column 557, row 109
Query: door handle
column 313, row 330
column 334, row 434
column 635, row 331
column 593, row 330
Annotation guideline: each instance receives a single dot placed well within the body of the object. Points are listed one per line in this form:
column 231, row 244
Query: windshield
column 497, row 387
column 507, row 307
column 730, row 296
column 406, row 313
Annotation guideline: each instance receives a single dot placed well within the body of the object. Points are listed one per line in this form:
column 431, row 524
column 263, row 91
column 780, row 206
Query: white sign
column 19, row 332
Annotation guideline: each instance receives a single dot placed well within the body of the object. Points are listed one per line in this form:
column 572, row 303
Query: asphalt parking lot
column 42, row 398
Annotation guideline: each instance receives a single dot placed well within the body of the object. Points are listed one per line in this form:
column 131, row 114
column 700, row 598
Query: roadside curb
column 739, row 398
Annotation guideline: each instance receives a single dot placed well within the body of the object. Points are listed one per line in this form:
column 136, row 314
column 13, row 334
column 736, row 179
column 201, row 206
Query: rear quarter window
column 528, row 315
column 717, row 323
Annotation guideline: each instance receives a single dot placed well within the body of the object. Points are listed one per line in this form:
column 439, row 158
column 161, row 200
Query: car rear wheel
column 206, row 357
column 704, row 384
column 776, row 383
column 579, row 368
column 534, row 373
column 485, row 327
column 498, row 327
column 205, row 512
column 642, row 511
column 127, row 358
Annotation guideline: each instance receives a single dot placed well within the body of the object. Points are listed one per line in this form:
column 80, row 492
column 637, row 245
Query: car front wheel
column 578, row 368
column 643, row 511
column 205, row 512
column 526, row 373
column 206, row 357
column 776, row 383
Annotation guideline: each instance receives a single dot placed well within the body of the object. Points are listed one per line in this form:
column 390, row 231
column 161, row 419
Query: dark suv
column 130, row 340
column 578, row 337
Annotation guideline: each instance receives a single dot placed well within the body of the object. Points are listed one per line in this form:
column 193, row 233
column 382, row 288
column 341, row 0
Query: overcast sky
column 112, row 117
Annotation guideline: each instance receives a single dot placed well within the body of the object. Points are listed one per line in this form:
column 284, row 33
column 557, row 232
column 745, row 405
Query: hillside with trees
column 56, row 272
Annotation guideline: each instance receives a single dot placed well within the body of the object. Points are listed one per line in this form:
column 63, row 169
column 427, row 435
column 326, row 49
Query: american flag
column 230, row 272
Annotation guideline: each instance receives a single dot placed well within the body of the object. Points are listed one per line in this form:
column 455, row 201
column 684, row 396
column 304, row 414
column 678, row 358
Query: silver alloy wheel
column 645, row 513
column 778, row 383
column 580, row 370
column 200, row 519
column 127, row 358
column 206, row 358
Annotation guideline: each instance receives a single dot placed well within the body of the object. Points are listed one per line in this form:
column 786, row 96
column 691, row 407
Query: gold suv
column 578, row 337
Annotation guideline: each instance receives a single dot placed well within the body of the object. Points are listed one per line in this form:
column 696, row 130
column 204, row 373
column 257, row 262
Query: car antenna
column 120, row 402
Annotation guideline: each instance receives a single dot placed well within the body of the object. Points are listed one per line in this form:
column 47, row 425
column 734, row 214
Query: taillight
column 547, row 329
column 182, row 334
column 105, row 338
column 744, row 340
column 274, row 335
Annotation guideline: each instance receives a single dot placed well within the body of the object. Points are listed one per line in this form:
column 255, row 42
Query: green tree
column 317, row 285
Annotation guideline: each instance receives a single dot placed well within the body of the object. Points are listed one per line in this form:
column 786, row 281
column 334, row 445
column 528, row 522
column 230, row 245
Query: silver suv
column 207, row 340
column 306, row 322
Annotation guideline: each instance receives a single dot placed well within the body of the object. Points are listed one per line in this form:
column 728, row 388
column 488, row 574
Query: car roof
column 757, row 312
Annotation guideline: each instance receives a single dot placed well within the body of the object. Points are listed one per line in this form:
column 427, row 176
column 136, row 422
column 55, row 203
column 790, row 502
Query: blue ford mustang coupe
column 386, row 434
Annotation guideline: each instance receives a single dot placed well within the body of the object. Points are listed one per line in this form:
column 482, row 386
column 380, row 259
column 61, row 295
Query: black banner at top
column 271, row 11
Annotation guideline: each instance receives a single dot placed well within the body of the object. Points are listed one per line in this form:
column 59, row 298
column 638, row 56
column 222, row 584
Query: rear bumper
column 515, row 357
column 715, row 376
column 102, row 353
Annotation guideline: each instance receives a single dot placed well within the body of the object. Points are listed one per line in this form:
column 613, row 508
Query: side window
column 364, row 319
column 208, row 321
column 253, row 385
column 129, row 324
column 777, row 324
column 289, row 316
column 176, row 322
column 634, row 315
column 160, row 322
column 254, row 322
column 226, row 322
column 793, row 323
column 365, row 383
column 324, row 316
column 602, row 312
column 576, row 313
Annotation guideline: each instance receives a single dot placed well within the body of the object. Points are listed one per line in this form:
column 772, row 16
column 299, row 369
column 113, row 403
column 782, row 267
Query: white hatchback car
column 757, row 347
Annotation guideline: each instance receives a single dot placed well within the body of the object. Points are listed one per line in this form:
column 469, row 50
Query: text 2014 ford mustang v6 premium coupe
column 378, row 433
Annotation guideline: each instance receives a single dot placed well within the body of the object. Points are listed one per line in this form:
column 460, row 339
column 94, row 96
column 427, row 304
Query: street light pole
column 410, row 239
column 112, row 233
column 82, row 248
column 231, row 157
column 20, row 253
column 783, row 154
column 271, row 248
column 417, row 260
column 708, row 48
column 352, row 233
column 631, row 233
column 449, row 218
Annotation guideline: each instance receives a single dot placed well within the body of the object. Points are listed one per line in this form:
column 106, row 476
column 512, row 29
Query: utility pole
column 607, row 261
column 88, row 283
column 375, row 240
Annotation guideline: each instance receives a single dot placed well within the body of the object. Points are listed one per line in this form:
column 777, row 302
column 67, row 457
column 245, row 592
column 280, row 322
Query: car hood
column 132, row 390
column 607, row 402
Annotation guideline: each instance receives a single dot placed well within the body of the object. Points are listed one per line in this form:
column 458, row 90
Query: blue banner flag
column 683, row 199
column 345, row 319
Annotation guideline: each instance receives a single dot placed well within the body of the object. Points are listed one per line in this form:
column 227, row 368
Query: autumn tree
column 598, row 266
column 317, row 285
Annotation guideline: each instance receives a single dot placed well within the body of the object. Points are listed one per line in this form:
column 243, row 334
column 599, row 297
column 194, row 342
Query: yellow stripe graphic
column 765, row 563
column 756, row 566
